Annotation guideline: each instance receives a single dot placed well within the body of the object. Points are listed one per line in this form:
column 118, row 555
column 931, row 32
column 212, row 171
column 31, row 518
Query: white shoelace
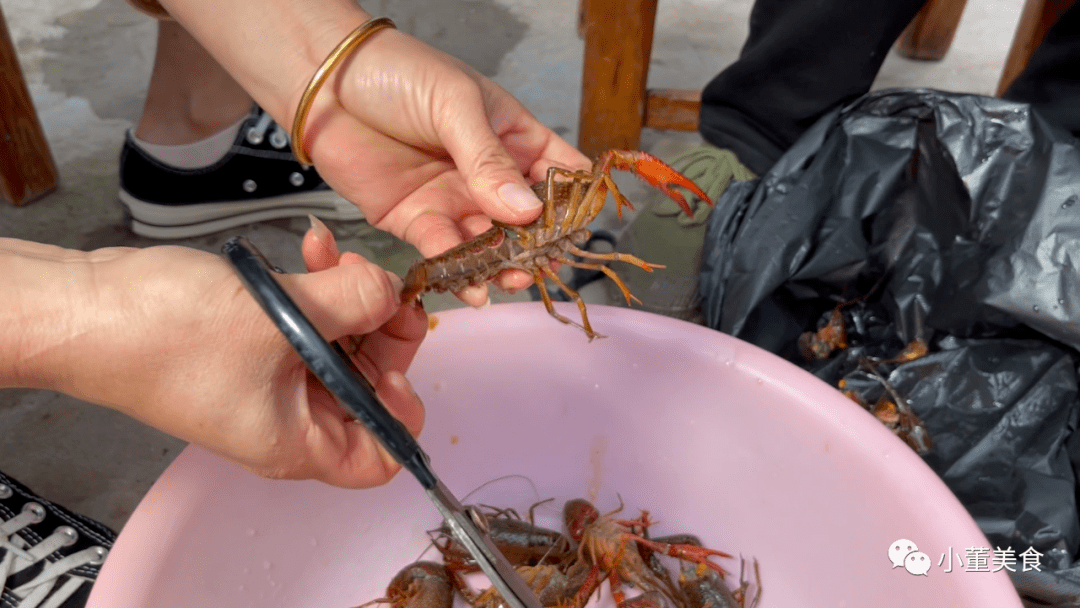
column 278, row 137
column 19, row 555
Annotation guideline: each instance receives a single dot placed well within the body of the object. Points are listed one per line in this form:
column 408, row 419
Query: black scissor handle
column 328, row 362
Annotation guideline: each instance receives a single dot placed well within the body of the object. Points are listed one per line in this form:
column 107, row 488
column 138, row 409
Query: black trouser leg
column 1051, row 80
column 802, row 59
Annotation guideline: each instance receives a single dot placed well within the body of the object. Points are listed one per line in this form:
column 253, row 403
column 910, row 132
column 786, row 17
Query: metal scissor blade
column 503, row 576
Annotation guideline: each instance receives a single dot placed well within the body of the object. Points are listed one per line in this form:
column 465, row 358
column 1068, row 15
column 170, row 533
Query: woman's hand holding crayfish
column 429, row 149
column 453, row 148
column 169, row 336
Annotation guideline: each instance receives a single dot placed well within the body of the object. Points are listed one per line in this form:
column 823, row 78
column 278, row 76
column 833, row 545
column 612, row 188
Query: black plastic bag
column 946, row 218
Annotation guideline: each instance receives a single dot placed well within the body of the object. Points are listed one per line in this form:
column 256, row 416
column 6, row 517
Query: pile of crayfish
column 566, row 570
column 890, row 407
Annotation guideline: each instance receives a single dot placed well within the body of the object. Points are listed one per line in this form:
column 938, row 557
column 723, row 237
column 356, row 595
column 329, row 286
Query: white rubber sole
column 178, row 222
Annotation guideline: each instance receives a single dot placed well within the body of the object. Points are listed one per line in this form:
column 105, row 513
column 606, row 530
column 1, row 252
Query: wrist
column 41, row 285
column 321, row 36
column 70, row 323
column 274, row 63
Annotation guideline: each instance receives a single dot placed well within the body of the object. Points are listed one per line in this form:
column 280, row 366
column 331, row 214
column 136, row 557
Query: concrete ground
column 88, row 62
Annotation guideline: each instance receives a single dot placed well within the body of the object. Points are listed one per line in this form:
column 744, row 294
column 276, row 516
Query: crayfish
column 419, row 585
column 523, row 543
column 613, row 549
column 566, row 570
column 571, row 200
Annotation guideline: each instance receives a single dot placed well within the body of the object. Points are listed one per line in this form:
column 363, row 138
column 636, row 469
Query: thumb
column 351, row 299
column 494, row 180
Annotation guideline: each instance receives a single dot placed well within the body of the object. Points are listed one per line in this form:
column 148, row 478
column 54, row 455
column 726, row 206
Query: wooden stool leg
column 27, row 170
column 931, row 32
column 672, row 109
column 618, row 46
column 1035, row 21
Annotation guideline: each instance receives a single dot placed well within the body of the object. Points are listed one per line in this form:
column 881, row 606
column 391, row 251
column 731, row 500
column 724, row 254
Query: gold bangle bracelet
column 338, row 55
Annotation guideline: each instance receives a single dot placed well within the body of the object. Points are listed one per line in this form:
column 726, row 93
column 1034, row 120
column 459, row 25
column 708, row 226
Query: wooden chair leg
column 27, row 170
column 1035, row 21
column 672, row 109
column 618, row 45
column 931, row 32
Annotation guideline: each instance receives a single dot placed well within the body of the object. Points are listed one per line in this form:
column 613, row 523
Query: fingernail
column 401, row 383
column 486, row 304
column 398, row 284
column 322, row 233
column 518, row 197
column 471, row 293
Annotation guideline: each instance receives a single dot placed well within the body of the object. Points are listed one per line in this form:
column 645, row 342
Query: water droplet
column 1061, row 301
column 246, row 570
column 266, row 564
column 240, row 588
column 1035, row 308
column 760, row 381
column 314, row 542
column 596, row 386
column 250, row 531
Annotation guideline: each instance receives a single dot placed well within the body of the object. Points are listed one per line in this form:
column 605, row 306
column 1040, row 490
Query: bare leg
column 191, row 97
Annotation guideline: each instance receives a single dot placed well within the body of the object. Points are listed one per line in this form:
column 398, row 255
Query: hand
column 428, row 148
column 169, row 336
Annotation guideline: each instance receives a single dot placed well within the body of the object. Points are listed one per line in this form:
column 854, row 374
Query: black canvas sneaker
column 258, row 179
column 49, row 556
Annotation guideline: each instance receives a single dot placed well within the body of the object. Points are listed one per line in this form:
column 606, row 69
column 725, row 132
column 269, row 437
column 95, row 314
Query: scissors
column 354, row 392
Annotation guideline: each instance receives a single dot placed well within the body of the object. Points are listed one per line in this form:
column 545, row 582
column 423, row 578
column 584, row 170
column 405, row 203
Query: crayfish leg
column 549, row 200
column 538, row 278
column 614, row 256
column 575, row 196
column 610, row 274
column 686, row 552
column 585, row 206
column 620, row 200
column 588, row 587
column 549, row 273
column 577, row 209
column 615, row 583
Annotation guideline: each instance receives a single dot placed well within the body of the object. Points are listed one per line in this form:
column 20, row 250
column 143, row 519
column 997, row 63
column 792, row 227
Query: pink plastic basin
column 712, row 435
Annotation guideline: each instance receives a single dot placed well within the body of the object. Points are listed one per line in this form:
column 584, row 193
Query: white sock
column 196, row 154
